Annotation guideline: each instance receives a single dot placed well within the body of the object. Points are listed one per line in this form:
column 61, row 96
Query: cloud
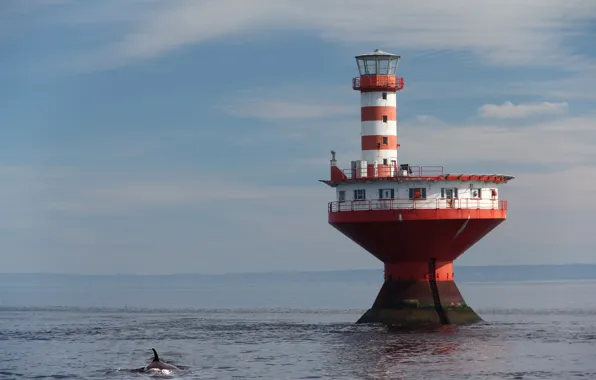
column 512, row 33
column 291, row 102
column 547, row 214
column 56, row 190
column 425, row 139
column 79, row 220
column 508, row 110
column 427, row 120
column 546, row 191
column 163, row 27
column 580, row 87
column 23, row 189
column 118, row 196
column 471, row 143
column 297, row 113
column 567, row 140
column 284, row 110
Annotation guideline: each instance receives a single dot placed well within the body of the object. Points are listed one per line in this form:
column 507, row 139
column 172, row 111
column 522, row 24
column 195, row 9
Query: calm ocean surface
column 58, row 327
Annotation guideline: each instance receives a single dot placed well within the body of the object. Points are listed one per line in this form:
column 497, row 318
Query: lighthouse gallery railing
column 412, row 204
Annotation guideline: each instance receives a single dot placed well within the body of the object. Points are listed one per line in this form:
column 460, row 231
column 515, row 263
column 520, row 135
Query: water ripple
column 73, row 343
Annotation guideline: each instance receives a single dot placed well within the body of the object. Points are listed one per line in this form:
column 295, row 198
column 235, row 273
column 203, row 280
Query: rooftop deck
column 411, row 173
column 388, row 170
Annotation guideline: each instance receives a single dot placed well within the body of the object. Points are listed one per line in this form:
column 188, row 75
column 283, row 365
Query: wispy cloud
column 283, row 110
column 509, row 110
column 546, row 142
column 577, row 87
column 81, row 190
column 295, row 112
column 530, row 33
column 427, row 140
column 76, row 219
column 180, row 191
column 291, row 101
column 431, row 141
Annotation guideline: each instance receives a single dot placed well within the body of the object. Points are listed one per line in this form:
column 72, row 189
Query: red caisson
column 415, row 219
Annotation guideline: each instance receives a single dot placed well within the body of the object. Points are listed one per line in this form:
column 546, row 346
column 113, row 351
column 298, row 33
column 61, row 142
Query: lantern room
column 377, row 63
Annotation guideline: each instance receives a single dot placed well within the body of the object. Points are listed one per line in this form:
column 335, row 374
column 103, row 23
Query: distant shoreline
column 477, row 273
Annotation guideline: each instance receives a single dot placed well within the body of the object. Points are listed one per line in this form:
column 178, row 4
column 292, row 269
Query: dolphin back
column 157, row 364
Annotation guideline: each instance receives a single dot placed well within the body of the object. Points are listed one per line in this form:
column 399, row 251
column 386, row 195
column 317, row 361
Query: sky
column 179, row 136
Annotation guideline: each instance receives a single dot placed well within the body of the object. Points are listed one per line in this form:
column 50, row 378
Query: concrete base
column 411, row 303
column 419, row 317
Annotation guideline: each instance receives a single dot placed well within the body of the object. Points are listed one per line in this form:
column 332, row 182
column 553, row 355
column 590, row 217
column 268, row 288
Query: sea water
column 65, row 327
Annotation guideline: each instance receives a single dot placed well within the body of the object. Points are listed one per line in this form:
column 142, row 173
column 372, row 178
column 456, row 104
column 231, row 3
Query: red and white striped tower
column 378, row 86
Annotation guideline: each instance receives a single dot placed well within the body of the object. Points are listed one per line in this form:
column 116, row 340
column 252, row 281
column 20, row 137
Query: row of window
column 413, row 193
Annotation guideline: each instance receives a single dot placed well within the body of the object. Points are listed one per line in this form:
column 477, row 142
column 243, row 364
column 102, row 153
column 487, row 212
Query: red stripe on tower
column 378, row 113
column 379, row 142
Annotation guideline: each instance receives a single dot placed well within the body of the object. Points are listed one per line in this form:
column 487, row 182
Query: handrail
column 414, row 204
column 378, row 82
column 392, row 171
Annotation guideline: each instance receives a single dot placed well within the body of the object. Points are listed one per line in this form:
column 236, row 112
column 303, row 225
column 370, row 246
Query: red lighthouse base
column 419, row 293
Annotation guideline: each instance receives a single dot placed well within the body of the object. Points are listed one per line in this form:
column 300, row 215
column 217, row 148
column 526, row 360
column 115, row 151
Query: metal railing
column 378, row 81
column 390, row 171
column 414, row 204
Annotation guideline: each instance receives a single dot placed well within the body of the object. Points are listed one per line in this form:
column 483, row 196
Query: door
column 385, row 195
column 449, row 197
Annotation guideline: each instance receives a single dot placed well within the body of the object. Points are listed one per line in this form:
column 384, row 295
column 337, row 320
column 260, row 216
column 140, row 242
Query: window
column 384, row 118
column 475, row 193
column 384, row 161
column 417, row 193
column 359, row 195
column 386, row 193
column 341, row 195
column 385, row 96
column 445, row 191
column 384, row 140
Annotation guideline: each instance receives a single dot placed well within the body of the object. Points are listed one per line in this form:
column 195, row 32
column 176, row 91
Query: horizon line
column 274, row 272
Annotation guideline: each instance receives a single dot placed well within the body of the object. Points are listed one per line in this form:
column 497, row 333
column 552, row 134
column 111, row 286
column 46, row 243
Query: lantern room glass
column 379, row 65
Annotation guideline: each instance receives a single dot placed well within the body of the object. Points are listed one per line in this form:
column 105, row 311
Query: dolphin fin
column 155, row 356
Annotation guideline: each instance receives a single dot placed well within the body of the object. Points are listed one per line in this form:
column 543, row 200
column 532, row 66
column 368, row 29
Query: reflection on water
column 401, row 354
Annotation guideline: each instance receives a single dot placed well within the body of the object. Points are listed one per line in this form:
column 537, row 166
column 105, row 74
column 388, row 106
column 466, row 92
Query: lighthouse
column 415, row 219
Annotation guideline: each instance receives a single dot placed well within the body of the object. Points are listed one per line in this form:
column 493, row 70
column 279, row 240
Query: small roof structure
column 377, row 53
